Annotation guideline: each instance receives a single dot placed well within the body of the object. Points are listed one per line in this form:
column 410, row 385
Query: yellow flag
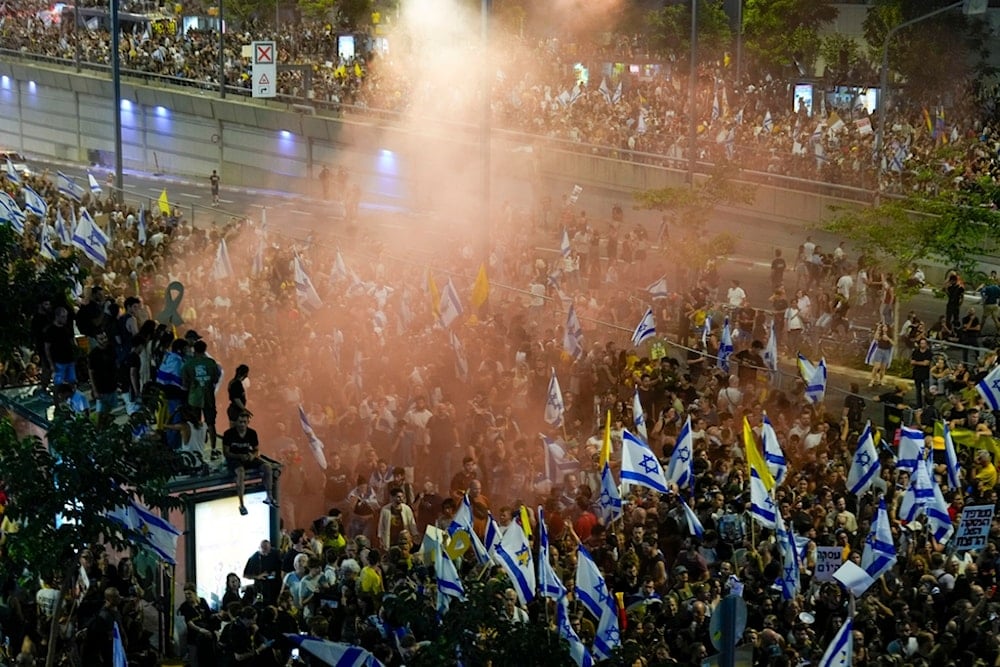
column 164, row 203
column 432, row 289
column 606, row 445
column 754, row 459
column 357, row 70
column 525, row 521
column 481, row 288
column 458, row 544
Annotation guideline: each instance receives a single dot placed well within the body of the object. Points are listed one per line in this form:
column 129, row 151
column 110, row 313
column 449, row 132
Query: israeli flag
column 840, row 652
column 141, row 229
column 450, row 308
column 762, row 507
column 564, row 246
column 771, row 352
column 151, row 530
column 870, row 354
column 462, row 521
column 68, row 188
column 304, row 289
column 97, row 231
column 222, row 269
column 449, row 585
column 639, row 464
column 573, row 336
column 658, row 289
column 815, row 379
column 645, row 329
column 680, row 470
column 577, row 649
column 11, row 213
column 461, row 364
column 911, row 449
column 63, row 231
column 609, row 503
column 45, row 248
column 593, row 593
column 557, row 461
column 95, row 187
column 768, row 126
column 339, row 271
column 638, row 417
column 88, row 240
column 492, row 534
column 879, row 555
column 865, row 465
column 938, row 519
column 554, row 406
column 118, row 657
column 951, row 459
column 694, row 524
column 549, row 585
column 989, row 388
column 34, row 203
column 773, row 455
column 608, row 636
column 917, row 495
column 514, row 555
column 705, row 331
column 12, row 173
column 790, row 581
column 315, row 444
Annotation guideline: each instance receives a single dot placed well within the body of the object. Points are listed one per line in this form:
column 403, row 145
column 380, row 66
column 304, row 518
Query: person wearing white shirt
column 844, row 285
column 512, row 611
column 736, row 296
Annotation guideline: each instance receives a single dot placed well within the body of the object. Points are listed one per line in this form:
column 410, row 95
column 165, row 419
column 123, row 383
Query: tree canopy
column 779, row 32
column 670, row 28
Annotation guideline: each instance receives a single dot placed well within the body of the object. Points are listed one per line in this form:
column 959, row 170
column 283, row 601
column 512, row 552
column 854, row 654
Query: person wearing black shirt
column 954, row 290
column 854, row 408
column 893, row 405
column 750, row 361
column 103, row 369
column 777, row 269
column 242, row 451
column 968, row 334
column 201, row 625
column 264, row 567
column 238, row 395
column 920, row 362
column 60, row 347
column 39, row 322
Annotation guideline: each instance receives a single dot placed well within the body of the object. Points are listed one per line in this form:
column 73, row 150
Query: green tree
column 966, row 37
column 82, row 474
column 22, row 286
column 349, row 14
column 842, row 54
column 670, row 29
column 779, row 32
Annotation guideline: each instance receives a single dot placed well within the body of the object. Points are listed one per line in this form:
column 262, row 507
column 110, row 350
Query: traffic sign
column 264, row 53
column 265, row 80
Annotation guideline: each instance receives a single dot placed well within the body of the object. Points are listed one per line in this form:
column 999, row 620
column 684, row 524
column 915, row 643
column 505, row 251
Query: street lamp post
column 116, row 77
column 884, row 75
column 692, row 95
column 485, row 132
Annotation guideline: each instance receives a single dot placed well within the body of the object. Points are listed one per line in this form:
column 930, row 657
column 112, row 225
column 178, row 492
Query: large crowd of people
column 413, row 423
column 540, row 90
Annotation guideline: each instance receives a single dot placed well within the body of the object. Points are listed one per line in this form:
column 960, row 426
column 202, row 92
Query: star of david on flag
column 865, row 466
column 639, row 464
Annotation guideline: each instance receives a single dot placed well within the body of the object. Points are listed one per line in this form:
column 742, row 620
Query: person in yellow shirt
column 986, row 472
column 370, row 583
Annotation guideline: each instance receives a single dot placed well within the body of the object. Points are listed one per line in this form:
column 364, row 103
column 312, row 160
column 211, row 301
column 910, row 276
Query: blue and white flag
column 63, row 231
column 222, row 268
column 814, row 377
column 573, row 335
column 924, row 497
column 951, row 460
column 141, row 229
column 577, row 649
column 645, row 329
column 658, row 289
column 705, row 331
column 716, row 109
column 593, row 593
column 564, row 245
column 604, row 90
column 639, row 464
column 554, row 406
column 911, row 449
column 12, row 173
column 149, row 530
column 492, row 534
column 100, row 234
column 609, row 503
column 768, row 125
column 514, row 555
column 88, row 240
column 461, row 363
column 305, row 291
column 449, row 585
column 315, row 444
column 638, row 416
column 762, row 507
column 840, row 652
column 95, row 187
column 557, row 461
column 450, row 308
column 989, row 388
column 118, row 658
column 773, row 456
column 693, row 522
column 339, row 271
column 68, row 187
column 11, row 213
column 680, row 470
column 34, row 203
column 790, row 581
column 865, row 465
column 336, row 654
column 45, row 248
column 549, row 584
column 771, row 353
column 936, row 513
column 879, row 555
